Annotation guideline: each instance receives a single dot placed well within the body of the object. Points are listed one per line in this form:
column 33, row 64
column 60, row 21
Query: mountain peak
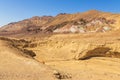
column 93, row 11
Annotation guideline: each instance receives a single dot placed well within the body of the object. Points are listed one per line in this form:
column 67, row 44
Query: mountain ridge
column 90, row 21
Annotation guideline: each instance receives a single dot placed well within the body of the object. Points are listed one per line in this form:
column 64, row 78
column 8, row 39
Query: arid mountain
column 91, row 21
column 30, row 51
column 34, row 23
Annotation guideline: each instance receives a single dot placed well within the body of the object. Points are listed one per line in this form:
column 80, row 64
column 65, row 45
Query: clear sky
column 16, row 10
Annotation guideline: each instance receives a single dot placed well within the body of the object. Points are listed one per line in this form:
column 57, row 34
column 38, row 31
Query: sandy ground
column 93, row 69
column 16, row 67
column 58, row 53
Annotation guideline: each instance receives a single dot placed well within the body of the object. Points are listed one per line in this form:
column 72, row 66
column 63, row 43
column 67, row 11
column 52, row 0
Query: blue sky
column 16, row 10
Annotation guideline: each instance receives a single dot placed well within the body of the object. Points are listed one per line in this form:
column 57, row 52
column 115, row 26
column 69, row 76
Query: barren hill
column 91, row 21
column 32, row 24
column 45, row 48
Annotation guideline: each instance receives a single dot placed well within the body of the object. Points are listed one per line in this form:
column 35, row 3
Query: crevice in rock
column 99, row 52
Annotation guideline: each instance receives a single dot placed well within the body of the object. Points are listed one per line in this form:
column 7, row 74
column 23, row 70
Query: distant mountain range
column 86, row 22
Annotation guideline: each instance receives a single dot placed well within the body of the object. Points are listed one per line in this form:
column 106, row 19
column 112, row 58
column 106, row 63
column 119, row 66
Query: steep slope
column 15, row 66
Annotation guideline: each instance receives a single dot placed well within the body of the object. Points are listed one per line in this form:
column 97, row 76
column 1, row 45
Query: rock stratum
column 77, row 46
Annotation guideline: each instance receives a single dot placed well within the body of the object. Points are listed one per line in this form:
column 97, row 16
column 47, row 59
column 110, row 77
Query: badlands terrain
column 80, row 46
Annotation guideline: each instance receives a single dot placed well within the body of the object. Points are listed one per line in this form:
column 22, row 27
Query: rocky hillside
column 32, row 24
column 91, row 21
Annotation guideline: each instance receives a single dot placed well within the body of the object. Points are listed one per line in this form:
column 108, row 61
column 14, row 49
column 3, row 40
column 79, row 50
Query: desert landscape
column 80, row 46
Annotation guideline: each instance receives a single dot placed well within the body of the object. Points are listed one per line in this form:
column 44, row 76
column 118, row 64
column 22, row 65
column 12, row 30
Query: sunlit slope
column 14, row 66
column 76, row 46
column 91, row 21
column 80, row 56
